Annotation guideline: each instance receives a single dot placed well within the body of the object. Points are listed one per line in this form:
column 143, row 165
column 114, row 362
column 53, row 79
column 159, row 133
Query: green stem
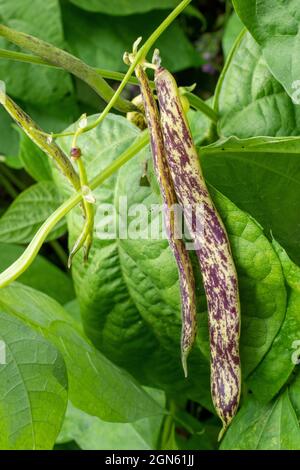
column 197, row 103
column 28, row 256
column 63, row 59
column 225, row 69
column 60, row 252
column 13, row 178
column 32, row 59
column 194, row 100
column 140, row 56
column 8, row 187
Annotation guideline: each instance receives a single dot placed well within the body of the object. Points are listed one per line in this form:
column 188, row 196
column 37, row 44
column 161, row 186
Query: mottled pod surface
column 211, row 245
column 186, row 276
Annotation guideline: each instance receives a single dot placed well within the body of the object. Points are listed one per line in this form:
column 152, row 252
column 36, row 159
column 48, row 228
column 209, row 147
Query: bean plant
column 109, row 340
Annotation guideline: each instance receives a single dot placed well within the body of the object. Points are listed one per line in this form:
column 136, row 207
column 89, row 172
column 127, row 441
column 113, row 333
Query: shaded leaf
column 261, row 176
column 278, row 365
column 90, row 433
column 41, row 275
column 33, row 388
column 91, row 36
column 39, row 85
column 274, row 24
column 96, row 386
column 27, row 213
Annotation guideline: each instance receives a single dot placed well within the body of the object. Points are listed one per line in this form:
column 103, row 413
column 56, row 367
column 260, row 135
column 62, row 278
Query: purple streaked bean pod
column 212, row 248
column 185, row 270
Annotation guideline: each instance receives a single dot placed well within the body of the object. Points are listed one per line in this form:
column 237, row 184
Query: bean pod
column 35, row 134
column 212, row 248
column 185, row 270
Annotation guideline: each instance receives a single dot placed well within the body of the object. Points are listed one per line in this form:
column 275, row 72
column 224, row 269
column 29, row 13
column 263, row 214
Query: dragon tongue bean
column 212, row 248
column 185, row 270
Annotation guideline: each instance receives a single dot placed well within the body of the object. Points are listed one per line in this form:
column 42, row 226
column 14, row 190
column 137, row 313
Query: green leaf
column 9, row 136
column 91, row 433
column 27, row 213
column 96, row 386
column 262, row 177
column 264, row 427
column 38, row 85
column 54, row 117
column 274, row 24
column 155, row 289
column 41, row 275
column 232, row 29
column 199, row 125
column 123, row 7
column 34, row 160
column 278, row 365
column 33, row 388
column 118, row 328
column 91, row 35
column 250, row 101
column 128, row 291
column 294, row 391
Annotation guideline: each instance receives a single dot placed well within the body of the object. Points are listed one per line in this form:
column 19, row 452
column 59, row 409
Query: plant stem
column 28, row 256
column 197, row 103
column 194, row 100
column 13, row 178
column 32, row 59
column 139, row 57
column 8, row 187
column 72, row 64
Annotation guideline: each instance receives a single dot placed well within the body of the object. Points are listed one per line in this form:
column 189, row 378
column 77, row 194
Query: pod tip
column 184, row 356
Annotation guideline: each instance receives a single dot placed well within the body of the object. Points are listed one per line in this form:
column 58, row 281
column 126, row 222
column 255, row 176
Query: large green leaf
column 36, row 85
column 264, row 427
column 54, row 117
column 91, row 433
column 151, row 274
column 251, row 102
column 124, row 7
column 91, row 36
column 275, row 26
column 96, row 386
column 27, row 213
column 278, row 365
column 128, row 291
column 232, row 29
column 261, row 176
column 41, row 275
column 33, row 388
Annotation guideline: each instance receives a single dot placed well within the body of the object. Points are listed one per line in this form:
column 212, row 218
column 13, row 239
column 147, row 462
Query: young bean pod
column 185, row 270
column 40, row 139
column 212, row 248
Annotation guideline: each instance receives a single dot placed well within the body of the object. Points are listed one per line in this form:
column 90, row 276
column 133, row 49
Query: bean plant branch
column 35, row 60
column 28, row 256
column 66, row 61
column 195, row 101
column 139, row 57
